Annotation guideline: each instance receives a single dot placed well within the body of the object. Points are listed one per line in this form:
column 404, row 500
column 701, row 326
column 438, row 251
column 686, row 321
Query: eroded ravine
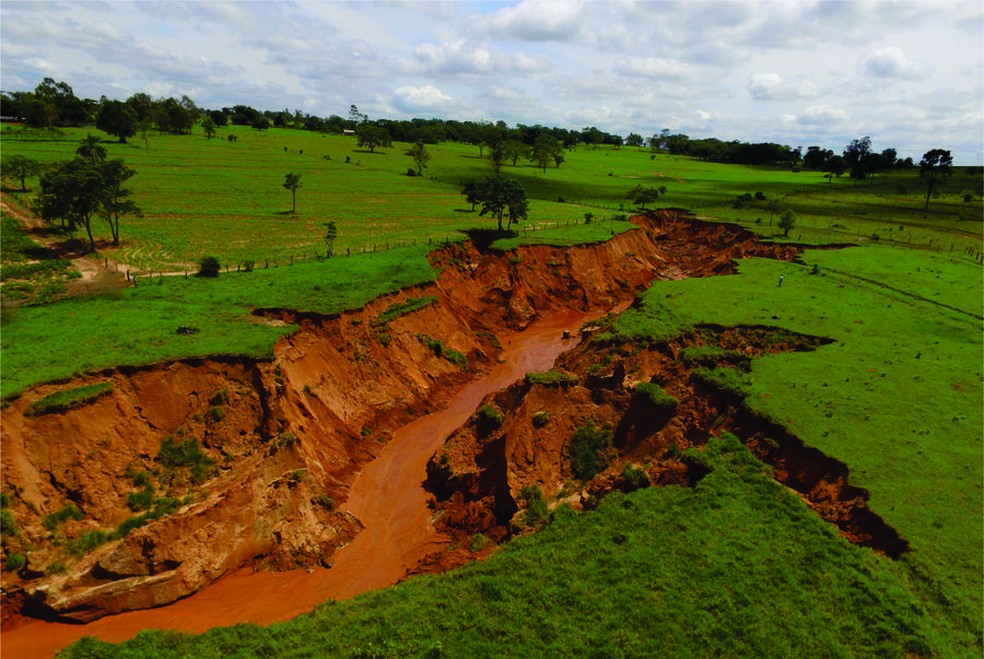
column 291, row 435
column 387, row 497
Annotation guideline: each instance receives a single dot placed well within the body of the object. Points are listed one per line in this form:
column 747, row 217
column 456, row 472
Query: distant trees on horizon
column 54, row 104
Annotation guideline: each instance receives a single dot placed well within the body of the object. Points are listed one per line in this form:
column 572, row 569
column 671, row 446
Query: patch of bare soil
column 287, row 439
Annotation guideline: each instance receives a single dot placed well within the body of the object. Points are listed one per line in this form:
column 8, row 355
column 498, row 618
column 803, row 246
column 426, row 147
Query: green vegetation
column 551, row 378
column 490, row 416
column 895, row 397
column 52, row 521
column 437, row 346
column 654, row 394
column 186, row 454
column 410, row 305
column 586, row 448
column 67, row 399
column 735, row 566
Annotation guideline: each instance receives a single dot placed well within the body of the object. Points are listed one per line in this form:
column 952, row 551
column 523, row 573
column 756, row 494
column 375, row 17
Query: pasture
column 896, row 396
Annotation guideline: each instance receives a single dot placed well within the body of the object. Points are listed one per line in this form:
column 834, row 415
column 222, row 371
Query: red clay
column 387, row 497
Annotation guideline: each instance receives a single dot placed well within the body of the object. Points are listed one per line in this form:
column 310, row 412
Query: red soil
column 333, row 414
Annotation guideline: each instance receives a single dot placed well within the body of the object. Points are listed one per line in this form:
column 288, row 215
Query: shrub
column 186, row 454
column 551, row 378
column 588, row 440
column 535, row 510
column 635, row 478
column 7, row 524
column 541, row 418
column 209, row 267
column 479, row 542
column 15, row 562
column 87, row 542
column 490, row 416
column 52, row 521
column 216, row 413
column 142, row 500
column 324, row 501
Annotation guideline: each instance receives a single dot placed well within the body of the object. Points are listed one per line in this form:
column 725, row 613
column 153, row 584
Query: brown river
column 387, row 497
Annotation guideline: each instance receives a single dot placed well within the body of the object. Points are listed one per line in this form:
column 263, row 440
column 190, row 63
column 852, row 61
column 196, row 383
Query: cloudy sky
column 799, row 72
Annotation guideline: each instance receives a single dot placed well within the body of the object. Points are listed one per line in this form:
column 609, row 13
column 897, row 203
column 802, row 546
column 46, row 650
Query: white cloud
column 772, row 87
column 536, row 20
column 822, row 115
column 427, row 96
column 891, row 62
column 657, row 68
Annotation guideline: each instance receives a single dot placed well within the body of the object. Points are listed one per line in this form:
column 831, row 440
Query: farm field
column 895, row 394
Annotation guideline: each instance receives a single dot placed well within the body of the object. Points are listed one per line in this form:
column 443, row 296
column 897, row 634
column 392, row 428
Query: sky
column 908, row 74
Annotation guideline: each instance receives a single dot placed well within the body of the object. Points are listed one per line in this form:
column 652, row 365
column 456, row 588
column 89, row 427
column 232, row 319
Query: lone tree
column 208, row 125
column 787, row 222
column 935, row 166
column 117, row 118
column 20, row 167
column 500, row 197
column 331, row 234
column 371, row 135
column 546, row 148
column 642, row 196
column 472, row 190
column 834, row 166
column 420, row 155
column 292, row 182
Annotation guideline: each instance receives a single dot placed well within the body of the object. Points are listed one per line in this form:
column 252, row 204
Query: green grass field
column 701, row 571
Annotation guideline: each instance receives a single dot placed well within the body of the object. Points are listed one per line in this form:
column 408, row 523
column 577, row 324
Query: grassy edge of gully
column 907, row 332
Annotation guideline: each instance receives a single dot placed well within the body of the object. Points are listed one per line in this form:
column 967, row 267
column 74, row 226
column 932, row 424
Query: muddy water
column 387, row 496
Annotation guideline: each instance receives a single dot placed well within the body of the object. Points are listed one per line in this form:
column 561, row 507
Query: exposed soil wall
column 479, row 475
column 276, row 445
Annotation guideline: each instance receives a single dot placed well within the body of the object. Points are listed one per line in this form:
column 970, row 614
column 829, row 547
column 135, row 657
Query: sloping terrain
column 175, row 474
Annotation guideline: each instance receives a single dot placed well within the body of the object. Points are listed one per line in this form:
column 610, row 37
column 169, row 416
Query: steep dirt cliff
column 623, row 416
column 179, row 473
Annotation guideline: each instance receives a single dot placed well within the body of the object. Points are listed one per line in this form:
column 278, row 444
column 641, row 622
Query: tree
column 115, row 199
column 835, row 166
column 502, row 197
column 292, row 182
column 472, row 190
column 633, row 139
column 497, row 155
column 857, row 155
column 20, row 167
column 642, row 196
column 372, row 135
column 91, row 149
column 331, row 234
column 420, row 155
column 816, row 157
column 117, row 118
column 72, row 192
column 545, row 149
column 787, row 222
column 936, row 165
column 208, row 125
column 514, row 150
